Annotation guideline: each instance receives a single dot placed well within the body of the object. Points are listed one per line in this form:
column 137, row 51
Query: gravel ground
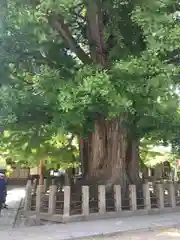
column 150, row 235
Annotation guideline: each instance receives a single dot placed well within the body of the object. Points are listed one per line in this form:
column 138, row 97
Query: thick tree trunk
column 110, row 156
column 105, row 154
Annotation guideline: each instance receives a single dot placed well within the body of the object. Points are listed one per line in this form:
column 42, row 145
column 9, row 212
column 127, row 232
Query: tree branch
column 95, row 24
column 57, row 23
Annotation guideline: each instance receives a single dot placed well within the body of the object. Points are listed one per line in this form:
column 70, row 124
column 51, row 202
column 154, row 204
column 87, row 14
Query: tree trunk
column 83, row 148
column 110, row 156
column 105, row 156
column 133, row 160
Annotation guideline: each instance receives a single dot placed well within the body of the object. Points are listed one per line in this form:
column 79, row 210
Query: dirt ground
column 168, row 234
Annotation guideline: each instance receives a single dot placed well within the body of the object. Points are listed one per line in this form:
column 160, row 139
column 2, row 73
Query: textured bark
column 83, row 147
column 133, row 161
column 95, row 31
column 105, row 155
column 110, row 156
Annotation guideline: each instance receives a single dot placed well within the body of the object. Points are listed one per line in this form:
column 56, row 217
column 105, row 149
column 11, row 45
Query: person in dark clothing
column 2, row 190
column 5, row 193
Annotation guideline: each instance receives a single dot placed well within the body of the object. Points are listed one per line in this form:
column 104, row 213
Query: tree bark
column 110, row 156
column 83, row 147
column 105, row 154
column 133, row 160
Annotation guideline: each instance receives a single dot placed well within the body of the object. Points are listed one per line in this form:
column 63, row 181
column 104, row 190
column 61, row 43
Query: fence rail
column 69, row 205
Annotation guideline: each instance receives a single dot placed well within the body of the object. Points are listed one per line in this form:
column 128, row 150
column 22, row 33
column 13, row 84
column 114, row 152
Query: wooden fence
column 65, row 206
column 18, row 176
column 19, row 173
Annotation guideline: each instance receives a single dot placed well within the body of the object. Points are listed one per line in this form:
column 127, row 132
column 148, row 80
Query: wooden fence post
column 102, row 198
column 85, row 200
column 172, row 198
column 28, row 196
column 160, row 195
column 117, row 197
column 133, row 198
column 39, row 195
column 146, row 194
column 52, row 199
column 67, row 201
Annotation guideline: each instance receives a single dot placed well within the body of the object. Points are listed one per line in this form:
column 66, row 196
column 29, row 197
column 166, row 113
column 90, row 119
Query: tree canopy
column 66, row 64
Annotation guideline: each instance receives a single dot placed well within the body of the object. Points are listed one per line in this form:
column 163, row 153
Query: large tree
column 102, row 70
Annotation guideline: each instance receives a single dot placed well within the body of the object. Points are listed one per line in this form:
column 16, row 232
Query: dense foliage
column 65, row 64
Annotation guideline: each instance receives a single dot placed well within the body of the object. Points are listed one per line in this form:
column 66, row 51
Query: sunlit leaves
column 47, row 88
